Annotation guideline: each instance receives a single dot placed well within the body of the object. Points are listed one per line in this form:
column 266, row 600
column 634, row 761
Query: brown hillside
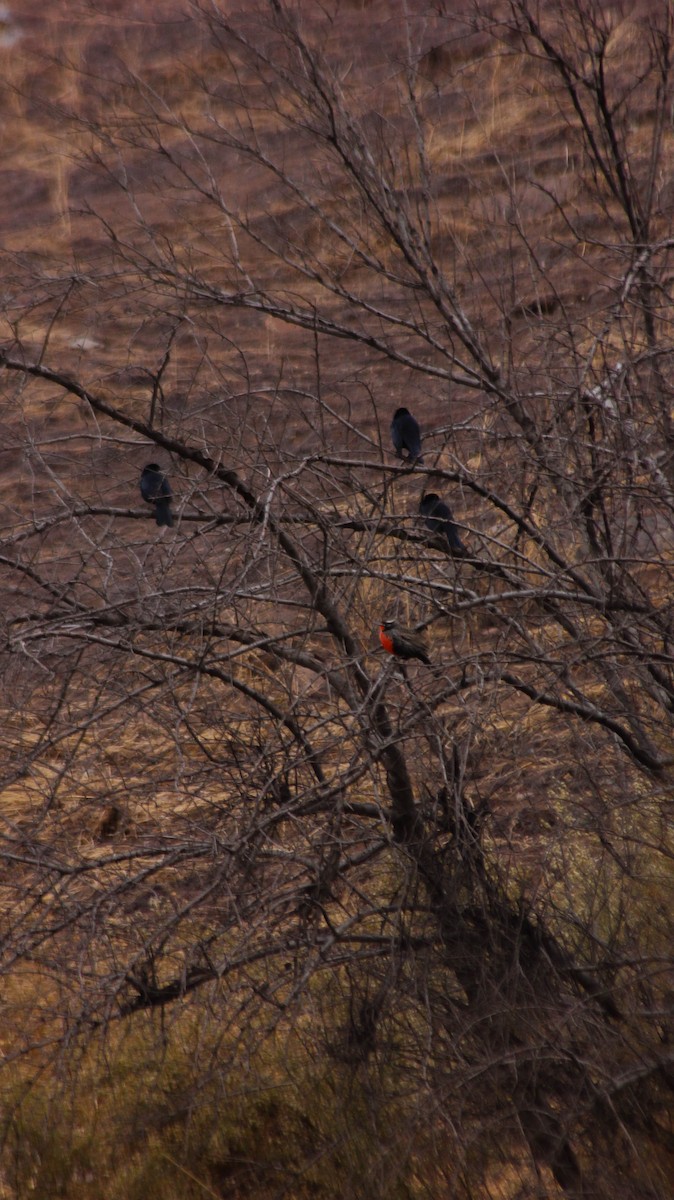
column 281, row 917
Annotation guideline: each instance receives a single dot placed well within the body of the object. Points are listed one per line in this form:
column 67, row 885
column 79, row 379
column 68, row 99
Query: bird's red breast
column 386, row 640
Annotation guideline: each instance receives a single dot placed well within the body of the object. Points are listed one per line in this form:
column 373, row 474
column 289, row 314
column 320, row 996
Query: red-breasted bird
column 402, row 642
column 156, row 489
column 406, row 435
column 439, row 519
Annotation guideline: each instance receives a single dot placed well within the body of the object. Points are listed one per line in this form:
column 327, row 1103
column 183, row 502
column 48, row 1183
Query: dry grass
column 552, row 837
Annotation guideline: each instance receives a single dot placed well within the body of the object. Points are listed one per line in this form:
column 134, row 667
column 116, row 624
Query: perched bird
column 156, row 489
column 402, row 642
column 406, row 435
column 439, row 519
column 109, row 822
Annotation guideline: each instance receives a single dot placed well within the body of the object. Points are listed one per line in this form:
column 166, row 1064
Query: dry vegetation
column 279, row 921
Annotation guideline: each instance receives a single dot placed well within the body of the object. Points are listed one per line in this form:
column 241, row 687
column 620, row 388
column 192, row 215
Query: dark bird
column 406, row 435
column 156, row 489
column 439, row 519
column 402, row 642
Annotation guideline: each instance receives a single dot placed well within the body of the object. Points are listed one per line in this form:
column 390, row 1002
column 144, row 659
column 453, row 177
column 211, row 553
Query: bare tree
column 217, row 785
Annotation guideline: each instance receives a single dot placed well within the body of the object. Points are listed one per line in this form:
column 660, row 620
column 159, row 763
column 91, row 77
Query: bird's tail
column 163, row 512
column 456, row 545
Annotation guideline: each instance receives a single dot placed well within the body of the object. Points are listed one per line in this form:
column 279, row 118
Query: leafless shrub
column 214, row 785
